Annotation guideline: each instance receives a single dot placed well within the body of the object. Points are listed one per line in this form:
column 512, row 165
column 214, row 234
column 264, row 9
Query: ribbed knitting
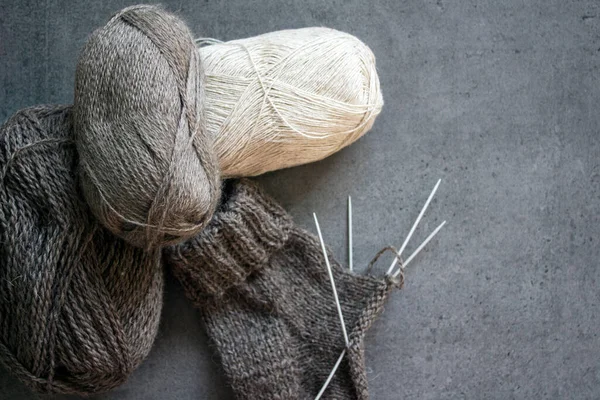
column 262, row 286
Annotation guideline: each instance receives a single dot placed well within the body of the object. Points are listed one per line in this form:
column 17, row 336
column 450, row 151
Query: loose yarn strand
column 122, row 217
column 15, row 154
column 418, row 250
column 153, row 234
column 206, row 41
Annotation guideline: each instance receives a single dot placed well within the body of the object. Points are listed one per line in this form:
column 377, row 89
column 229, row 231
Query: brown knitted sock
column 264, row 291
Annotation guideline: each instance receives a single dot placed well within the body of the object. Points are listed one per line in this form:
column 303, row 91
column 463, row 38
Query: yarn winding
column 148, row 167
column 287, row 98
column 79, row 308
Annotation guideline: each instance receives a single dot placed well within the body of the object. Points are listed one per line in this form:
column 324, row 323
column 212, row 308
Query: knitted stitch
column 262, row 286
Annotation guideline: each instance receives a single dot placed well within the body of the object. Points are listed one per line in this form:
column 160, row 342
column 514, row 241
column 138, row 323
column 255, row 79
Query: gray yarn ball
column 148, row 169
column 79, row 307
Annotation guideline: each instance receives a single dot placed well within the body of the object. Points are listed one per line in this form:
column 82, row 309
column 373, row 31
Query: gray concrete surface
column 498, row 98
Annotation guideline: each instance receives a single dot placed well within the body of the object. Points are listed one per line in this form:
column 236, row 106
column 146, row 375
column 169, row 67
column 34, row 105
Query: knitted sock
column 264, row 291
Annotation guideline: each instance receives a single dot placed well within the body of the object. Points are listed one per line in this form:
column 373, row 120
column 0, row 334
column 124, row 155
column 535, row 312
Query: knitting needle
column 339, row 308
column 414, row 254
column 329, row 271
column 350, row 232
column 412, row 230
column 335, row 367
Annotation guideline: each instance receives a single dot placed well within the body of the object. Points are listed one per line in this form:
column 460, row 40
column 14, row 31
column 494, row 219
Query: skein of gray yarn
column 148, row 169
column 79, row 307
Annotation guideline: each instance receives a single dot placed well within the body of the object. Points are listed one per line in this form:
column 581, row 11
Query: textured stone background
column 498, row 98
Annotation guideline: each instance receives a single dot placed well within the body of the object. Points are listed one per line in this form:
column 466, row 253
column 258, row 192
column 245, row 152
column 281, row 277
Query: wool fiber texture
column 79, row 307
column 97, row 198
column 287, row 97
column 148, row 168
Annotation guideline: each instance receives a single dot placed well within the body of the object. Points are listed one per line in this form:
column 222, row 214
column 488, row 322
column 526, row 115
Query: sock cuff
column 247, row 228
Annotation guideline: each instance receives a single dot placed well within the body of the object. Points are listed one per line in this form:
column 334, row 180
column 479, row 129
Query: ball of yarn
column 287, row 98
column 148, row 166
column 79, row 308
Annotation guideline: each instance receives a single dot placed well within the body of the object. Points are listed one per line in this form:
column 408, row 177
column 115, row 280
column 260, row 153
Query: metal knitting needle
column 350, row 233
column 335, row 367
column 414, row 254
column 337, row 303
column 329, row 271
column 412, row 230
